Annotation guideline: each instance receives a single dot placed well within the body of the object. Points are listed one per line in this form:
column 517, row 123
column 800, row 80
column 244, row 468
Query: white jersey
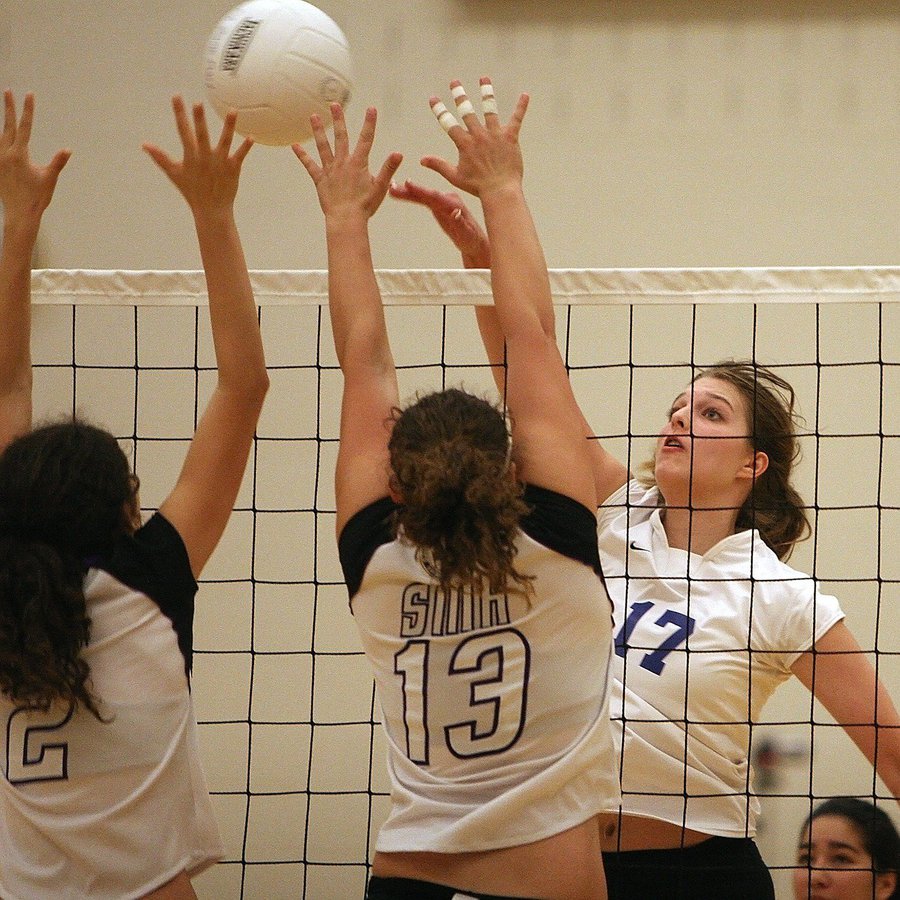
column 701, row 644
column 495, row 706
column 113, row 809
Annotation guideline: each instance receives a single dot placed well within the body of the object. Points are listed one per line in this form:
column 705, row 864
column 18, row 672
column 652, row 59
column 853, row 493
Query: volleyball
column 277, row 62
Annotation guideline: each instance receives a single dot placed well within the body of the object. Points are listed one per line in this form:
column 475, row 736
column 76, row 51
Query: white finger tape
column 446, row 118
column 488, row 101
column 464, row 108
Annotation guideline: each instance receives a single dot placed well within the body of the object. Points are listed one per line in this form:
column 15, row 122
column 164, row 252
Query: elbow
column 249, row 386
column 258, row 386
column 889, row 771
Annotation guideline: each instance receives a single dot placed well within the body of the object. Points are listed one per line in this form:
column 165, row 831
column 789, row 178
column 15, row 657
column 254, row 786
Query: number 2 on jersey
column 496, row 666
column 33, row 753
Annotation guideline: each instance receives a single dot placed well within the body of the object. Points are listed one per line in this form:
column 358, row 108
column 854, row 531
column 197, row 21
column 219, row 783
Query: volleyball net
column 289, row 724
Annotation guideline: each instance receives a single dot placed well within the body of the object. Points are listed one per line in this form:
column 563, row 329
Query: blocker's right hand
column 345, row 186
column 455, row 219
column 207, row 176
column 25, row 188
column 490, row 158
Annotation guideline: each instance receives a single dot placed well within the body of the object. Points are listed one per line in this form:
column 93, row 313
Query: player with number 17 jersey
column 495, row 706
column 701, row 644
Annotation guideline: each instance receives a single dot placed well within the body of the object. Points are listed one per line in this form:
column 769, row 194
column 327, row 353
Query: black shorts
column 716, row 869
column 412, row 889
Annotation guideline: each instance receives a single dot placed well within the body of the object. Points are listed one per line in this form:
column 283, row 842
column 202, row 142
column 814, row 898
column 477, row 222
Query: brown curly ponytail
column 44, row 629
column 449, row 455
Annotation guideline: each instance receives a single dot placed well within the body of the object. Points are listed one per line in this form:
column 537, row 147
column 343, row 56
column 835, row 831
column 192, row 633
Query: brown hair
column 66, row 492
column 449, row 454
column 773, row 507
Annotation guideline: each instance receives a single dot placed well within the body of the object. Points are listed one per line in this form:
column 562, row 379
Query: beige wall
column 661, row 133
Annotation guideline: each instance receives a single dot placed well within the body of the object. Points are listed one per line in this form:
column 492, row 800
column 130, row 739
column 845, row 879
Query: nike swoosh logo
column 634, row 546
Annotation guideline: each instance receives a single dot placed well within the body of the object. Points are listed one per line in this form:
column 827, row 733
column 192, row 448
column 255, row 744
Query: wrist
column 476, row 260
column 346, row 221
column 213, row 217
column 501, row 192
column 22, row 223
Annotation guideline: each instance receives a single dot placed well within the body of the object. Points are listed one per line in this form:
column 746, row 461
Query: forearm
column 885, row 743
column 889, row 772
column 476, row 254
column 519, row 276
column 354, row 299
column 865, row 710
column 19, row 238
column 232, row 309
column 881, row 746
column 494, row 347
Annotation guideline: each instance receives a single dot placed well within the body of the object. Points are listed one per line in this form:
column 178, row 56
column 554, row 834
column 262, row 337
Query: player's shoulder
column 632, row 503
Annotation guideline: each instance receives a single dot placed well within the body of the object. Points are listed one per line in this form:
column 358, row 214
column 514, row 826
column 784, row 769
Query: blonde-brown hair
column 773, row 507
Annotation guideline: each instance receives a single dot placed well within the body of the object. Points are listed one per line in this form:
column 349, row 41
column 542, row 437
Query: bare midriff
column 640, row 833
column 566, row 866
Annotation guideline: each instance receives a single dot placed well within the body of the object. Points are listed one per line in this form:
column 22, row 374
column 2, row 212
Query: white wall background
column 660, row 134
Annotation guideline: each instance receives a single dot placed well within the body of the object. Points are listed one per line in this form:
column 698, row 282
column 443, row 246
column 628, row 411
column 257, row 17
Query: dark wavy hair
column 66, row 493
column 449, row 454
column 773, row 507
column 877, row 832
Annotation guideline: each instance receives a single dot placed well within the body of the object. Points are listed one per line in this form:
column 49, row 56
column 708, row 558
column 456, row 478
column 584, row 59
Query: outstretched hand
column 207, row 176
column 454, row 217
column 25, row 188
column 343, row 182
column 489, row 155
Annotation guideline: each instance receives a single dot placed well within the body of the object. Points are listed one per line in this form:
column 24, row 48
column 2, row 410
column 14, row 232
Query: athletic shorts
column 412, row 889
column 715, row 869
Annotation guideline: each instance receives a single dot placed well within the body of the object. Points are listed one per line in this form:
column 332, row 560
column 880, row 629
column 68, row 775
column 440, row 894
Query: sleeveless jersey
column 113, row 809
column 701, row 643
column 495, row 705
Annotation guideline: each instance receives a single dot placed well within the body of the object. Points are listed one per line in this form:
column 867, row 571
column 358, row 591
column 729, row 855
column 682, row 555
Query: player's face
column 705, row 444
column 833, row 864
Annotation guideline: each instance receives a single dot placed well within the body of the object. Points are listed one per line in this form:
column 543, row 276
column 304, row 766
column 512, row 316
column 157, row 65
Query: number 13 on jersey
column 493, row 666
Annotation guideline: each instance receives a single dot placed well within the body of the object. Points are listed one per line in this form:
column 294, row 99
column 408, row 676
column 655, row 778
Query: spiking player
column 709, row 620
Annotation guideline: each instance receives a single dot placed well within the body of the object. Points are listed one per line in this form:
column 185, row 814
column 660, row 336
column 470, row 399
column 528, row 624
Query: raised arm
column 840, row 676
column 547, row 435
column 207, row 177
column 467, row 235
column 349, row 196
column 25, row 192
column 458, row 223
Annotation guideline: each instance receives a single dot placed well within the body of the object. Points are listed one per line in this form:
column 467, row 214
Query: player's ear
column 756, row 465
column 885, row 885
column 394, row 490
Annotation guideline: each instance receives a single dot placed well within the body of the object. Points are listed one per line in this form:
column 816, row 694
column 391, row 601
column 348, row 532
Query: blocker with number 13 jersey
column 495, row 705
